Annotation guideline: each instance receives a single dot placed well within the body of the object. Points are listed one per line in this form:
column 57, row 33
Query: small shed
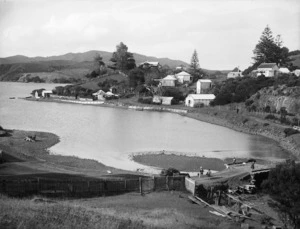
column 183, row 77
column 46, row 94
column 169, row 81
column 267, row 69
column 166, row 100
column 203, row 85
column 193, row 99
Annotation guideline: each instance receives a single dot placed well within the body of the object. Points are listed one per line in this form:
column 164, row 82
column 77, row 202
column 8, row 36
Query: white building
column 150, row 64
column 183, row 77
column 99, row 95
column 194, row 99
column 46, row 93
column 297, row 72
column 235, row 73
column 169, row 81
column 267, row 69
column 284, row 70
column 203, row 85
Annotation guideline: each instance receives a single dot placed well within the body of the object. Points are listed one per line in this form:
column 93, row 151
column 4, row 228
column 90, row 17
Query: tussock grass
column 24, row 213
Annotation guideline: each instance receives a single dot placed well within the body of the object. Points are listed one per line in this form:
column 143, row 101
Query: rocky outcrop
column 274, row 98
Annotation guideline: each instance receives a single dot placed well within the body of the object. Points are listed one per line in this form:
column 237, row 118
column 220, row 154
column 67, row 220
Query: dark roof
column 267, row 65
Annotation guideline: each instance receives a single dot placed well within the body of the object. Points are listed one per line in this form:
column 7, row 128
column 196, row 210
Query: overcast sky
column 223, row 32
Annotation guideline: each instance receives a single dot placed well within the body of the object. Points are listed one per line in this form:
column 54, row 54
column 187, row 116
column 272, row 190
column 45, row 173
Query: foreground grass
column 154, row 210
column 15, row 213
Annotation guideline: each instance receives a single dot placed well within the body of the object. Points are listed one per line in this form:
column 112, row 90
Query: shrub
column 290, row 131
column 270, row 116
column 145, row 100
column 245, row 120
column 266, row 124
column 169, row 172
column 199, row 105
column 248, row 102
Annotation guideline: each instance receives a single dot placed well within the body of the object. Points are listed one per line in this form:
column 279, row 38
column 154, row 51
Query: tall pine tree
column 194, row 61
column 122, row 59
column 195, row 70
column 269, row 50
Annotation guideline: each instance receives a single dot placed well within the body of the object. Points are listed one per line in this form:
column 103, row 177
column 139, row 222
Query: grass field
column 155, row 210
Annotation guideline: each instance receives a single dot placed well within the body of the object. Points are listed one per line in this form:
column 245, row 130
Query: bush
column 199, row 105
column 169, row 172
column 245, row 120
column 145, row 100
column 266, row 124
column 283, row 184
column 270, row 116
column 248, row 102
column 290, row 131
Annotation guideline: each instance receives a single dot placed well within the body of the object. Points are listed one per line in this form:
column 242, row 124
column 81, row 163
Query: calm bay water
column 109, row 135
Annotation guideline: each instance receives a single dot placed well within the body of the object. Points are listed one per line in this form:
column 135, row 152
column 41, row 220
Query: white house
column 284, row 70
column 150, row 64
column 267, row 69
column 297, row 72
column 193, row 99
column 99, row 95
column 46, row 93
column 162, row 100
column 166, row 100
column 183, row 77
column 203, row 85
column 168, row 81
column 235, row 73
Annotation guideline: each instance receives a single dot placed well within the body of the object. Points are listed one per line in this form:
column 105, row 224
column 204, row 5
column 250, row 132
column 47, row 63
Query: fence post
column 38, row 185
column 167, row 183
column 125, row 185
column 140, row 184
column 153, row 183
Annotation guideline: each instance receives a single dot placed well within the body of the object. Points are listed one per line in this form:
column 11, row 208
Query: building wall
column 202, row 86
column 190, row 102
column 234, row 74
column 168, row 83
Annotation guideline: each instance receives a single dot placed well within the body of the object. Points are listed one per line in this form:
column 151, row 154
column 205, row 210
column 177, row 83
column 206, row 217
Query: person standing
column 201, row 171
column 252, row 165
column 234, row 160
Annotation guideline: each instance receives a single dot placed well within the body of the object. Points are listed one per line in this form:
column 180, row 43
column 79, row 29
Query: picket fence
column 83, row 188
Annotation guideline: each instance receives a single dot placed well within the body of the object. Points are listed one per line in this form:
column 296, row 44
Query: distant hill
column 70, row 65
column 88, row 57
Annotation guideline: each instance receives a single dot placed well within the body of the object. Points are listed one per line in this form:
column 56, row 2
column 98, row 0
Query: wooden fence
column 83, row 188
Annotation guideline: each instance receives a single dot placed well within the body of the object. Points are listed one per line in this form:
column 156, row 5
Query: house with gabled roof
column 193, row 100
column 150, row 64
column 183, row 77
column 203, row 85
column 267, row 69
column 236, row 72
column 169, row 81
